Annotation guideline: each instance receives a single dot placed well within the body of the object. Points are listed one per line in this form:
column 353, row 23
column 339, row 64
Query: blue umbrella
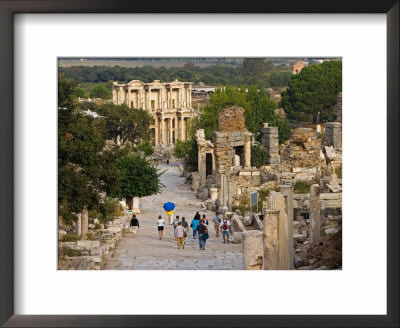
column 169, row 206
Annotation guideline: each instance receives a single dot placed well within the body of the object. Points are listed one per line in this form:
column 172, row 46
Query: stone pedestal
column 85, row 223
column 213, row 194
column 314, row 228
column 287, row 192
column 253, row 250
column 271, row 240
column 135, row 205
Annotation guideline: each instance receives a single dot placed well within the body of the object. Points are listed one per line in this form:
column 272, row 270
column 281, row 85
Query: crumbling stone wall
column 231, row 119
column 333, row 135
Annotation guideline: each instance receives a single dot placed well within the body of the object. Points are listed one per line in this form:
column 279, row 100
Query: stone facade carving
column 170, row 105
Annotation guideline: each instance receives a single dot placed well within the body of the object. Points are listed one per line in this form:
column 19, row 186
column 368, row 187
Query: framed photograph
column 180, row 69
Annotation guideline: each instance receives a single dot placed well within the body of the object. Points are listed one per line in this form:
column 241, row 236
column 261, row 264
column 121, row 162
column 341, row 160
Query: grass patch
column 338, row 171
column 301, row 187
column 69, row 252
column 69, row 237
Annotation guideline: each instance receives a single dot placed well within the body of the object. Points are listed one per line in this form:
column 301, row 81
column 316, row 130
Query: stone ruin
column 282, row 234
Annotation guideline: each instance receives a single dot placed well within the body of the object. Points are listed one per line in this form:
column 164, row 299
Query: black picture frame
column 10, row 7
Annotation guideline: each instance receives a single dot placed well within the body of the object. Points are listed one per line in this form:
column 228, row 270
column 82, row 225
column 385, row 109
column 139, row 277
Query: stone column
column 225, row 193
column 85, row 223
column 253, row 250
column 149, row 99
column 247, row 150
column 79, row 225
column 271, row 239
column 128, row 97
column 156, row 132
column 190, row 96
column 163, row 132
column 170, row 131
column 276, row 201
column 229, row 195
column 287, row 192
column 135, row 206
column 182, row 136
column 179, row 98
column 202, row 164
column 314, row 229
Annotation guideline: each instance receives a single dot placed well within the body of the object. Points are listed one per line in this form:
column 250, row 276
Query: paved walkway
column 148, row 252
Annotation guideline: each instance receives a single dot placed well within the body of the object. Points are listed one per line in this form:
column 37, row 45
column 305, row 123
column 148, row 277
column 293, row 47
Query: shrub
column 94, row 214
column 90, row 236
column 263, row 194
column 302, row 187
column 146, row 148
column 70, row 252
column 259, row 156
column 69, row 237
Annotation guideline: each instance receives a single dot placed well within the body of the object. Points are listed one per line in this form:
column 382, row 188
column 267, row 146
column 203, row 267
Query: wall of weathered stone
column 333, row 135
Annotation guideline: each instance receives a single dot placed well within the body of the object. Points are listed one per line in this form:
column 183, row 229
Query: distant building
column 298, row 66
column 170, row 105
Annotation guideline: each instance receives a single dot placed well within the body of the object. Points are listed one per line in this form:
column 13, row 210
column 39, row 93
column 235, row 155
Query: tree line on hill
column 256, row 71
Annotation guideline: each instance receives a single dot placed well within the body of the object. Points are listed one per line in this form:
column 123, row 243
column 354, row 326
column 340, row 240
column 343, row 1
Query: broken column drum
column 271, row 239
column 314, row 228
column 253, row 250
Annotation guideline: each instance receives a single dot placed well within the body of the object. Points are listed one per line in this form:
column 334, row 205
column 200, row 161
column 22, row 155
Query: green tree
column 146, row 148
column 85, row 168
column 254, row 70
column 259, row 156
column 100, row 91
column 313, row 92
column 126, row 123
column 139, row 178
column 258, row 109
column 181, row 148
column 79, row 92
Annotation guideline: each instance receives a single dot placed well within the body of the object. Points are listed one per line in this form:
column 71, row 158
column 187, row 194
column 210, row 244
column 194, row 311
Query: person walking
column 194, row 224
column 225, row 228
column 134, row 225
column 185, row 225
column 205, row 220
column 180, row 235
column 197, row 216
column 217, row 222
column 160, row 225
column 202, row 230
column 175, row 223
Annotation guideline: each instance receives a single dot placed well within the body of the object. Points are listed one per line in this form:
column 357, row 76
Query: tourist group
column 199, row 226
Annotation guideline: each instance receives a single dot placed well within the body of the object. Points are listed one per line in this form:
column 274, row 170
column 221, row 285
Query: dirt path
column 148, row 252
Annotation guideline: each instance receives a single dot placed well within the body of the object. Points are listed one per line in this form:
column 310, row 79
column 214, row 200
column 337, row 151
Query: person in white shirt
column 225, row 228
column 160, row 225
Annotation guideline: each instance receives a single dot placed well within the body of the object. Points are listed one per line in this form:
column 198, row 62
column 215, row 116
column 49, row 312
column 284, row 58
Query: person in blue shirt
column 194, row 224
